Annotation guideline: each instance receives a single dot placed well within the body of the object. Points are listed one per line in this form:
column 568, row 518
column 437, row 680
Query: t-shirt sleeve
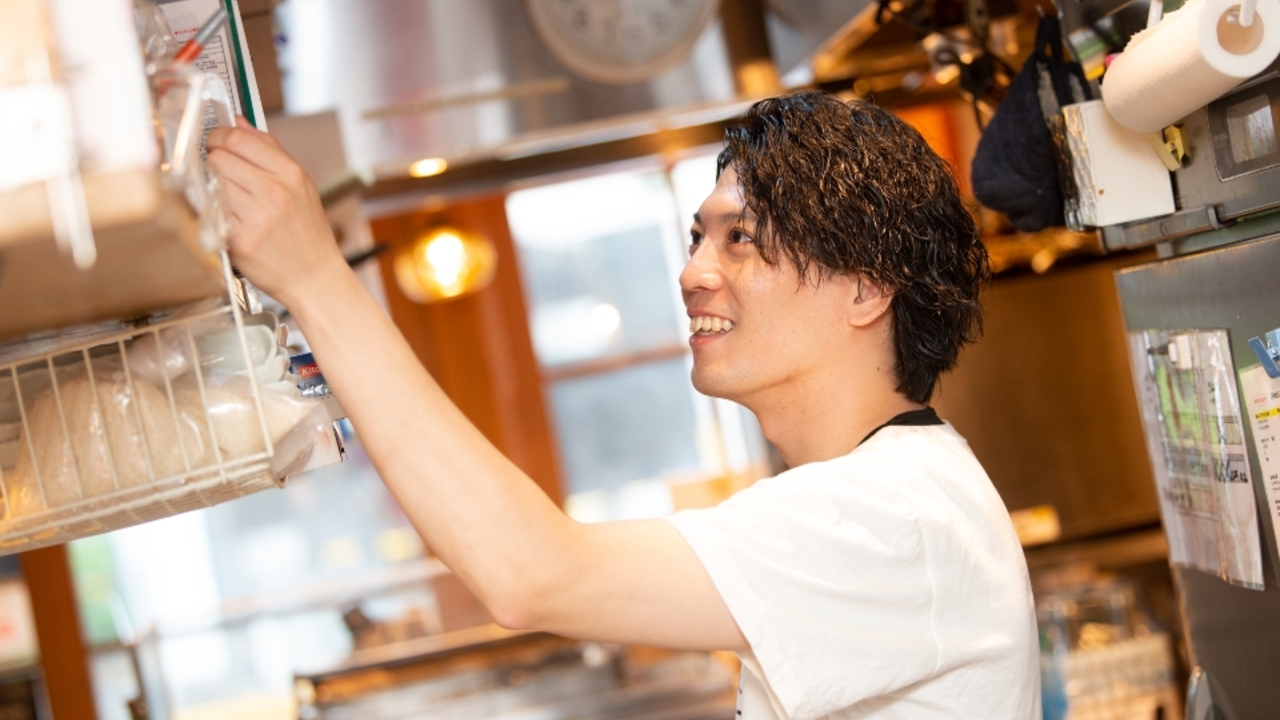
column 829, row 581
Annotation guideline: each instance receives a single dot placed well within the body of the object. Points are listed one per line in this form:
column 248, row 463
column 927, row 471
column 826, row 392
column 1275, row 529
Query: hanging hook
column 1155, row 11
column 1246, row 12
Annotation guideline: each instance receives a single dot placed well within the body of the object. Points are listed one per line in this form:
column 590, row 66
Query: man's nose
column 702, row 271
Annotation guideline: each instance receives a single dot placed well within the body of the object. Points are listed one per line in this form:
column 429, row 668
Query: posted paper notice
column 1262, row 404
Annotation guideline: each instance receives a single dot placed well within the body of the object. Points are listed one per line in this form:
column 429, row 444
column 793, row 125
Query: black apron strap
column 923, row 416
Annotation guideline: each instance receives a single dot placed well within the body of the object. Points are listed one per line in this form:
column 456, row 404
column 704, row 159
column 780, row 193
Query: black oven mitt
column 1015, row 170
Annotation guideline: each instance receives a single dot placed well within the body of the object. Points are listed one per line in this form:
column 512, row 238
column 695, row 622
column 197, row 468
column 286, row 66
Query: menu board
column 1186, row 386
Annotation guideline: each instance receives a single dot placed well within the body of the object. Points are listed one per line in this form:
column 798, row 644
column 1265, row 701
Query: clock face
column 620, row 41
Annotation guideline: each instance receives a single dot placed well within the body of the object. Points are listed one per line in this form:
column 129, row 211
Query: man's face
column 757, row 330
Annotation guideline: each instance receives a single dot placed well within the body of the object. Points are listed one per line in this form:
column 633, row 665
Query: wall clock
column 620, row 41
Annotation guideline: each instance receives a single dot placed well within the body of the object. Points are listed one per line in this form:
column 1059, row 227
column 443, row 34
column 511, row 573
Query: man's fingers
column 235, row 169
column 242, row 122
column 240, row 203
column 256, row 147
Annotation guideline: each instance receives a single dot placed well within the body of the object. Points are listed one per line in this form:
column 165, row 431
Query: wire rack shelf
column 115, row 426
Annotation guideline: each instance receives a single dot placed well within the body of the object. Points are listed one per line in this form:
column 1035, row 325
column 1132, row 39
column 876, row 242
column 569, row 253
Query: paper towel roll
column 1190, row 59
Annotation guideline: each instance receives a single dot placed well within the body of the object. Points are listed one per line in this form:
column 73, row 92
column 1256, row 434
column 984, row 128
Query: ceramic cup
column 221, row 351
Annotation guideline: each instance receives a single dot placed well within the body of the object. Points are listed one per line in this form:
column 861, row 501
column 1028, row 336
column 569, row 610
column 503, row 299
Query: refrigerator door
column 1234, row 632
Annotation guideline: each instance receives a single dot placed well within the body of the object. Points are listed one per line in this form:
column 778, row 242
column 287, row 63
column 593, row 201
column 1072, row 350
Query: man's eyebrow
column 745, row 216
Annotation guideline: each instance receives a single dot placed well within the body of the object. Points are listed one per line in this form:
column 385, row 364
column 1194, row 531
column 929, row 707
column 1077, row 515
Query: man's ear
column 868, row 303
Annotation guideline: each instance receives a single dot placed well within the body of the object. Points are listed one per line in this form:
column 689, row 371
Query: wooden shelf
column 149, row 257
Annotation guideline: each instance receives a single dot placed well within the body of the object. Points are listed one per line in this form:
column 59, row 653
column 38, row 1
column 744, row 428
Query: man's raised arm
column 532, row 566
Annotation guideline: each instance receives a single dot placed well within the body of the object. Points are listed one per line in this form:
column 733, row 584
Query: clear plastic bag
column 233, row 414
column 160, row 356
column 89, row 443
column 158, row 41
column 1191, row 413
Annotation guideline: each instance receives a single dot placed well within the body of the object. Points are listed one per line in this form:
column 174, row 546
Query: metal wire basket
column 93, row 438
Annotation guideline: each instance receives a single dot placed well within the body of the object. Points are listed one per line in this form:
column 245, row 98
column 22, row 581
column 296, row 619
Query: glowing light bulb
column 428, row 167
column 445, row 263
column 447, row 256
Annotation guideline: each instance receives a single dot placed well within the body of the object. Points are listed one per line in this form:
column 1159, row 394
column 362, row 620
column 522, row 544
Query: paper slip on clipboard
column 225, row 55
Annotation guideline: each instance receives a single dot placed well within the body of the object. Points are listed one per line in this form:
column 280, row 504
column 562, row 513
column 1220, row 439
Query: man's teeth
column 708, row 325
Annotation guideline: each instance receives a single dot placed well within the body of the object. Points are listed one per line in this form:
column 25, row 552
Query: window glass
column 601, row 296
column 692, row 180
column 625, row 425
column 595, row 256
column 600, row 260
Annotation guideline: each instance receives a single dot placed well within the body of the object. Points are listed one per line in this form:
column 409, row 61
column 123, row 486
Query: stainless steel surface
column 430, row 647
column 1143, row 233
column 411, row 79
column 667, row 137
column 1247, row 229
column 1199, row 181
column 1234, row 633
column 556, row 691
column 800, row 28
column 492, row 673
column 1199, row 696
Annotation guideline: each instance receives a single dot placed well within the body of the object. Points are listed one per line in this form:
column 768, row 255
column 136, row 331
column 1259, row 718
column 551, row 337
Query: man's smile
column 709, row 325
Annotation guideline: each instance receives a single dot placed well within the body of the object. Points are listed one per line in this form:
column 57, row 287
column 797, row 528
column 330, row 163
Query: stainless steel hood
column 473, row 81
column 463, row 81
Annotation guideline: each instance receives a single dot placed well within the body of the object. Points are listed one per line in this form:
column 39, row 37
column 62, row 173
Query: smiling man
column 833, row 275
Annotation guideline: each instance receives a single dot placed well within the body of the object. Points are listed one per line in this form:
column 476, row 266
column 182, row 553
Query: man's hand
column 280, row 238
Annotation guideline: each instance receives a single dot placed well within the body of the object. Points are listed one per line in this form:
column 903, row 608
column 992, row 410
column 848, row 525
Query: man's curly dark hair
column 847, row 188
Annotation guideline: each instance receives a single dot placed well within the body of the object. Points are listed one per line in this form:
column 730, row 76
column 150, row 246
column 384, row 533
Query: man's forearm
column 482, row 515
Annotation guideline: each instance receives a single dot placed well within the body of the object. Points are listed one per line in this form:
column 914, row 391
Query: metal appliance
column 1220, row 253
column 415, row 79
column 485, row 671
column 1233, row 632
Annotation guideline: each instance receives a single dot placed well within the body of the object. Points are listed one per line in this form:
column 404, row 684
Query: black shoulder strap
column 923, row 416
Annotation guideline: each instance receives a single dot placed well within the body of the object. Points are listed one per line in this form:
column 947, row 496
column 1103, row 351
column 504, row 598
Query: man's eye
column 695, row 239
column 737, row 236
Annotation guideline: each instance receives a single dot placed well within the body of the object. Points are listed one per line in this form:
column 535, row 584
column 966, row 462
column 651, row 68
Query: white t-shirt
column 887, row 583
